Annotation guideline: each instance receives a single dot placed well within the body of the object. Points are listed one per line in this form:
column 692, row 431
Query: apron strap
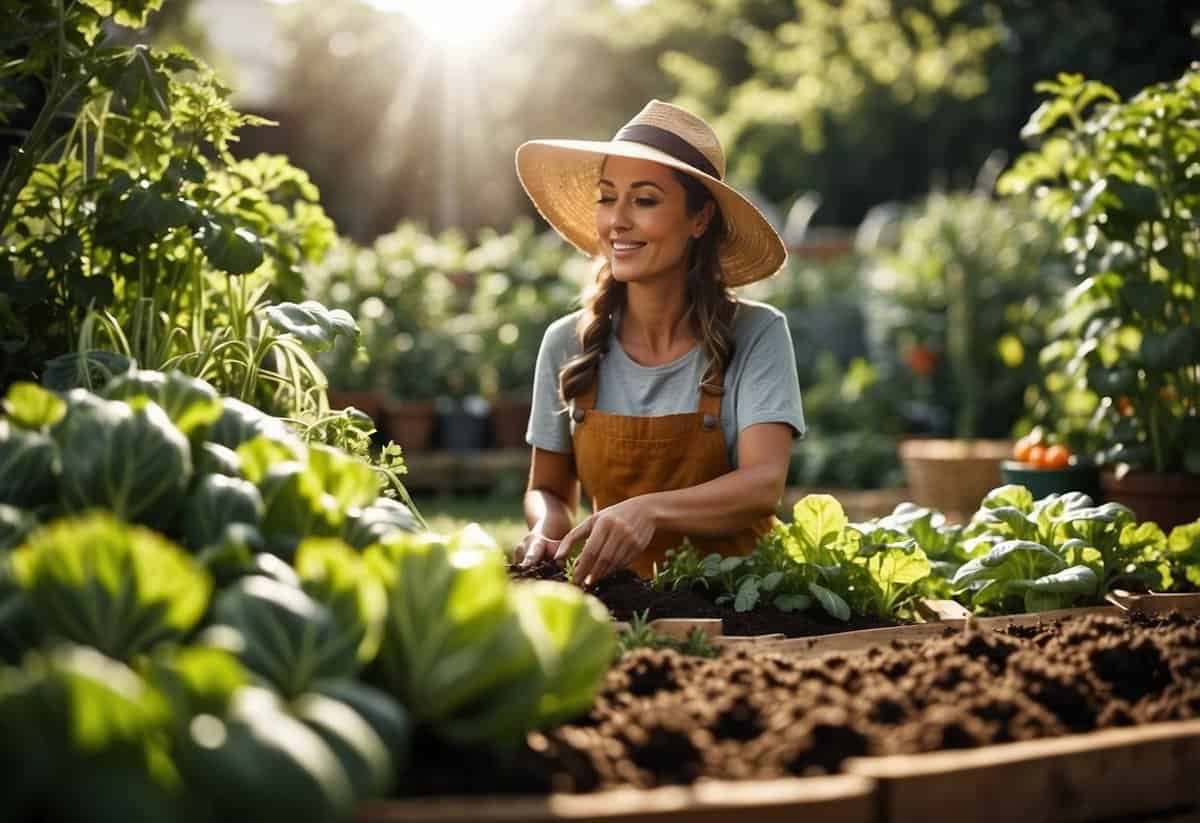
column 710, row 406
column 585, row 402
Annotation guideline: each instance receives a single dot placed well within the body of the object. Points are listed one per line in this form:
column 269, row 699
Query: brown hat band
column 668, row 142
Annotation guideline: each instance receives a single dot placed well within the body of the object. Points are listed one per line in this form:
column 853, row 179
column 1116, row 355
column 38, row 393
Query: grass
column 501, row 517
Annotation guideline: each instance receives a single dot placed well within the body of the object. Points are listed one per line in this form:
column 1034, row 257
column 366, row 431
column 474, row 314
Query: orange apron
column 622, row 456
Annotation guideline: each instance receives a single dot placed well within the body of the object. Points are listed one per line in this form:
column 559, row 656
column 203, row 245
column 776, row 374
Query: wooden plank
column 862, row 641
column 1033, row 618
column 834, row 799
column 1155, row 603
column 1088, row 777
column 859, row 641
column 746, row 641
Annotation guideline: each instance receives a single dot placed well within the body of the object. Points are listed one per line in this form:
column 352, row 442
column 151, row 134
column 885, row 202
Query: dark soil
column 662, row 718
column 625, row 593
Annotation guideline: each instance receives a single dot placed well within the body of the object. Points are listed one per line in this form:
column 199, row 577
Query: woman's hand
column 615, row 536
column 534, row 547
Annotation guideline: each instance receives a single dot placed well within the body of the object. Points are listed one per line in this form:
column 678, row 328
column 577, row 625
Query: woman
column 674, row 403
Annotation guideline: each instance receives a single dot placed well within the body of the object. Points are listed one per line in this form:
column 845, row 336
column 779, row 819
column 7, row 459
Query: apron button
column 578, row 415
column 710, row 422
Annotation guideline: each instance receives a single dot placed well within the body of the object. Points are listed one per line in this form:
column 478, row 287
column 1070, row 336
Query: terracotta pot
column 1168, row 499
column 510, row 419
column 410, row 424
column 953, row 476
column 369, row 403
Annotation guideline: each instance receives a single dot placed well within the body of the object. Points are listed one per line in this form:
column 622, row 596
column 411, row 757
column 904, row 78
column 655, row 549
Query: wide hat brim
column 560, row 177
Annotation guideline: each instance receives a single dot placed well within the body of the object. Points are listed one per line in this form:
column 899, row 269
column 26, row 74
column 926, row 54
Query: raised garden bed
column 624, row 593
column 1018, row 697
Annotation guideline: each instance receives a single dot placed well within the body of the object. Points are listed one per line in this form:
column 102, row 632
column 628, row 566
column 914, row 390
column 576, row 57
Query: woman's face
column 642, row 220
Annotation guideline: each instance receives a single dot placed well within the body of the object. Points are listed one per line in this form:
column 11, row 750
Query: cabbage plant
column 118, row 588
column 479, row 658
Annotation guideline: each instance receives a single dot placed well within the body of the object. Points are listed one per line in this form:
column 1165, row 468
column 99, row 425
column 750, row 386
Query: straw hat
column 560, row 178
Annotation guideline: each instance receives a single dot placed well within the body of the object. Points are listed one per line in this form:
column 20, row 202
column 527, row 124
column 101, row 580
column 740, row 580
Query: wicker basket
column 952, row 476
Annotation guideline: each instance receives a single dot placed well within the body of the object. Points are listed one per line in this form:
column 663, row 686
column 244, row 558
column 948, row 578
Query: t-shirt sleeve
column 549, row 424
column 769, row 390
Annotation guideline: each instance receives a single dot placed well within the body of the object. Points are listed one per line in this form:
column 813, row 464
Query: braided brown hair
column 711, row 306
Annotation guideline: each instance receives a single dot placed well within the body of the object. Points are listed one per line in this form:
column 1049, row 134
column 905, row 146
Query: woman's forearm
column 723, row 505
column 547, row 513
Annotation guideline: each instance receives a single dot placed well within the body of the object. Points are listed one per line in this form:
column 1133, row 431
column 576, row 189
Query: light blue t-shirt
column 761, row 385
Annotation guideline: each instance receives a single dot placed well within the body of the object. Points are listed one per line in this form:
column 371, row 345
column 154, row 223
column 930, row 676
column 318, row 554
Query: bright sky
column 454, row 22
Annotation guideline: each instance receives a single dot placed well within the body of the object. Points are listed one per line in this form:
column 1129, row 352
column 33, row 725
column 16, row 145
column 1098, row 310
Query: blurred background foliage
column 880, row 122
column 859, row 101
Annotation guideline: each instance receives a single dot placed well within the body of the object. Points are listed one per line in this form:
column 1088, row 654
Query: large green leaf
column 214, row 503
column 335, row 575
column 455, row 649
column 369, row 525
column 1183, row 547
column 82, row 369
column 230, row 248
column 346, row 481
column 262, row 763
column 29, row 406
column 315, row 325
column 190, row 403
column 30, row 465
column 73, row 717
column 1015, row 496
column 830, row 601
column 131, row 461
column 387, row 717
column 111, row 585
column 240, row 423
column 818, row 523
column 582, row 643
column 364, row 756
column 286, row 637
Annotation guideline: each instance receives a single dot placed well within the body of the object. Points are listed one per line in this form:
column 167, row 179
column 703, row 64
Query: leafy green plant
column 208, row 471
column 640, row 636
column 137, row 223
column 869, row 569
column 117, row 588
column 1055, row 552
column 1117, row 178
column 475, row 657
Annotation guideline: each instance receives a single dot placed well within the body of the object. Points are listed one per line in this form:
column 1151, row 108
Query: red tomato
column 1056, row 457
column 1022, row 448
column 1036, row 455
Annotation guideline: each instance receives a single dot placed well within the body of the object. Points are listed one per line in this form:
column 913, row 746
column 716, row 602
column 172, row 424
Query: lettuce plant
column 131, row 461
column 476, row 657
column 871, row 570
column 119, row 588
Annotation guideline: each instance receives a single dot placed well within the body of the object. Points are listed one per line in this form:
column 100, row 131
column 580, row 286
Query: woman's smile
column 624, row 249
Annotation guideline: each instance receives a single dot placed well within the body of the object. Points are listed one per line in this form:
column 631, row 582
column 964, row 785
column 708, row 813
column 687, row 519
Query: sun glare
column 454, row 22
